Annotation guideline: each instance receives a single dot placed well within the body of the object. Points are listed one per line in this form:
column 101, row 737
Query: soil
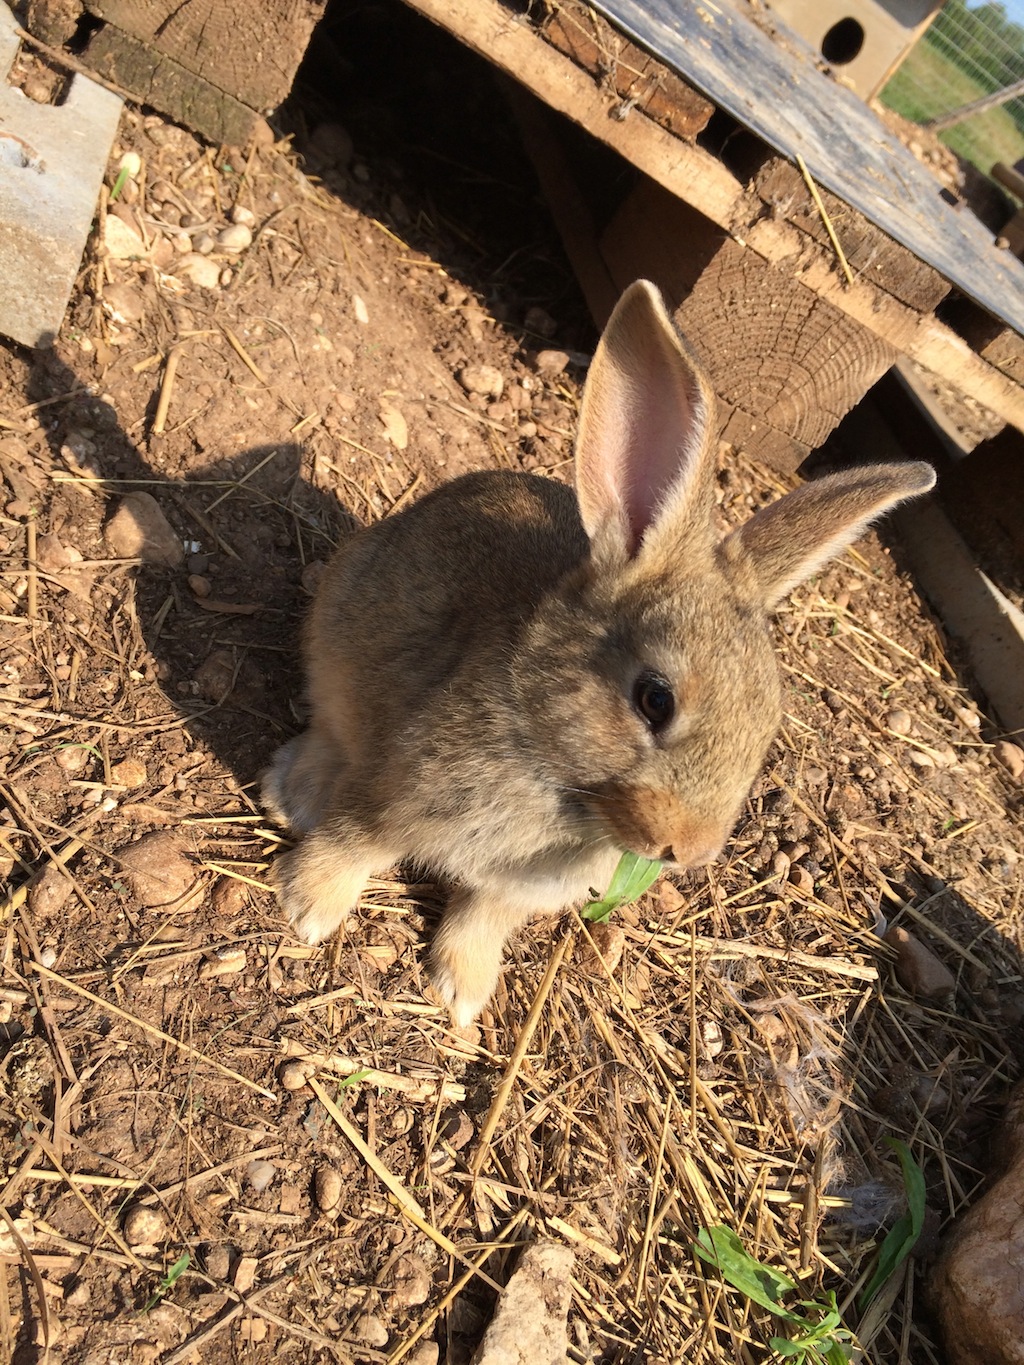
column 177, row 1187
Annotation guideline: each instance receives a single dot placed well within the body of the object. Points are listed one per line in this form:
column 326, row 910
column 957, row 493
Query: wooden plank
column 543, row 143
column 639, row 81
column 796, row 109
column 871, row 253
column 158, row 80
column 249, row 48
column 987, row 337
column 775, row 350
column 690, row 173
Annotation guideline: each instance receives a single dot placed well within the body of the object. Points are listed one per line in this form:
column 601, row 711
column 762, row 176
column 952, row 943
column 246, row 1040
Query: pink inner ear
column 643, row 425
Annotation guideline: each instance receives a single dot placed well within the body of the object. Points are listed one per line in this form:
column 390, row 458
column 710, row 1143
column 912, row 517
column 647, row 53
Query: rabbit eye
column 653, row 698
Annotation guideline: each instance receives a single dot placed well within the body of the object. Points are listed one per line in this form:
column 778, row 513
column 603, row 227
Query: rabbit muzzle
column 656, row 824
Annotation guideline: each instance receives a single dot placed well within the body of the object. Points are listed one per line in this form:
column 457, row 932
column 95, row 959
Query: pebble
column 426, row 1353
column 50, row 892
column 198, row 269
column 122, row 242
column 292, row 1075
column 608, row 942
column 919, row 759
column 124, row 303
column 217, row 1261
column 410, row 1280
column 327, row 1188
column 482, row 379
column 215, row 676
column 780, row 866
column 139, row 530
column 235, row 238
column 801, row 879
column 204, row 243
column 360, row 310
column 371, row 1330
column 260, row 1175
column 457, row 1130
column 899, row 721
column 551, row 363
column 223, row 962
column 240, row 214
column 130, row 772
column 253, row 1329
column 1010, row 757
column 159, row 872
column 333, row 144
column 245, row 1273
column 918, row 970
column 200, row 585
column 144, row 1227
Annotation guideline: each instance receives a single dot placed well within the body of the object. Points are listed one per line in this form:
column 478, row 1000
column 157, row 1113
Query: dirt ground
column 221, row 1145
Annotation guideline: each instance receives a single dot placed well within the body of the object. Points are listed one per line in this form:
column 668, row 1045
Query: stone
column 50, row 892
column 144, row 1227
column 198, row 269
column 1011, row 757
column 139, row 530
column 918, row 970
column 529, row 1324
column 159, row 872
column 235, row 238
column 260, row 1175
column 326, row 1188
column 978, row 1282
column 52, row 162
column 370, row 1330
column 410, row 1281
column 551, row 363
column 482, row 379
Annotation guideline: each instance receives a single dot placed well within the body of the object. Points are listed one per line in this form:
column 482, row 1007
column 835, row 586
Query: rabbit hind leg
column 319, row 882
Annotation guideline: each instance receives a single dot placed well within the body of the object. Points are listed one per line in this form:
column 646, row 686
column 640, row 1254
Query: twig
column 823, row 213
column 166, row 389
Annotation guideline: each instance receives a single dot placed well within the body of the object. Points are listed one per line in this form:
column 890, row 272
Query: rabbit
column 510, row 685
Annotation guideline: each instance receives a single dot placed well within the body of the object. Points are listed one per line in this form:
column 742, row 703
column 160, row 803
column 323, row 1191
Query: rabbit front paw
column 318, row 886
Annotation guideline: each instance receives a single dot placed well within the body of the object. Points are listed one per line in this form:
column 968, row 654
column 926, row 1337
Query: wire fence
column 966, row 54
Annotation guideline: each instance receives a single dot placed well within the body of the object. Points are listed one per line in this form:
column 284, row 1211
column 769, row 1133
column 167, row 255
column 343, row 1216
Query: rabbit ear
column 642, row 454
column 788, row 541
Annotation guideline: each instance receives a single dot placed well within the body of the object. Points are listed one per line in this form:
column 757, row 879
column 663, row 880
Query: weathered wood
column 775, row 351
column 869, row 251
column 1009, row 177
column 688, row 172
column 639, row 81
column 987, row 337
column 162, row 82
column 249, row 48
column 543, row 143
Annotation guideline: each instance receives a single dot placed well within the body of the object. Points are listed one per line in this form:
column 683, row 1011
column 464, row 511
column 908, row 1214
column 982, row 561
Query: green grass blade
column 902, row 1236
column 720, row 1247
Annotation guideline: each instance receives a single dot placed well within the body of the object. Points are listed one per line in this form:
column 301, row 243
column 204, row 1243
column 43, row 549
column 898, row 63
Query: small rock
column 80, row 1295
column 781, row 866
column 240, row 214
column 332, row 144
column 51, row 556
column 260, row 1175
column 457, row 1130
column 919, row 759
column 359, row 308
column 293, row 1075
column 215, row 676
column 139, row 530
column 327, row 1188
column 396, row 429
column 711, row 1037
column 198, row 269
column 370, row 1330
column 795, row 850
column 608, row 942
column 122, row 242
column 918, row 970
column 124, row 303
column 410, row 1280
column 426, row 1353
column 159, row 872
column 49, row 892
column 224, row 962
column 482, row 379
column 551, row 363
column 74, row 759
column 200, row 586
column 144, row 1226
column 978, row 1284
column 899, row 721
column 253, row 1329
column 129, row 773
column 529, row 1324
column 801, row 879
column 229, row 897
column 245, row 1273
column 217, row 1261
column 540, row 321
column 235, row 238
column 204, row 243
column 1011, row 757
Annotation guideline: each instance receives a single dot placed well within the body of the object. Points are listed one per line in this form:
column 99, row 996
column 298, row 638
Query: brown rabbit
column 510, row 684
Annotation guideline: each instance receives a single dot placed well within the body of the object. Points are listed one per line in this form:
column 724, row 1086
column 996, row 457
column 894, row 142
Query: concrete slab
column 52, row 160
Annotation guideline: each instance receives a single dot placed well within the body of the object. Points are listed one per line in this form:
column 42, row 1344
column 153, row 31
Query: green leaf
column 354, row 1079
column 720, row 1247
column 631, row 878
column 902, row 1236
column 176, row 1271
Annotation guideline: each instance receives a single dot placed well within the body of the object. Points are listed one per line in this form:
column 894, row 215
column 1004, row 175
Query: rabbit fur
column 510, row 685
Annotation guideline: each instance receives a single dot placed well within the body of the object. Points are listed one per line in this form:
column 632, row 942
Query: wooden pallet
column 744, row 257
